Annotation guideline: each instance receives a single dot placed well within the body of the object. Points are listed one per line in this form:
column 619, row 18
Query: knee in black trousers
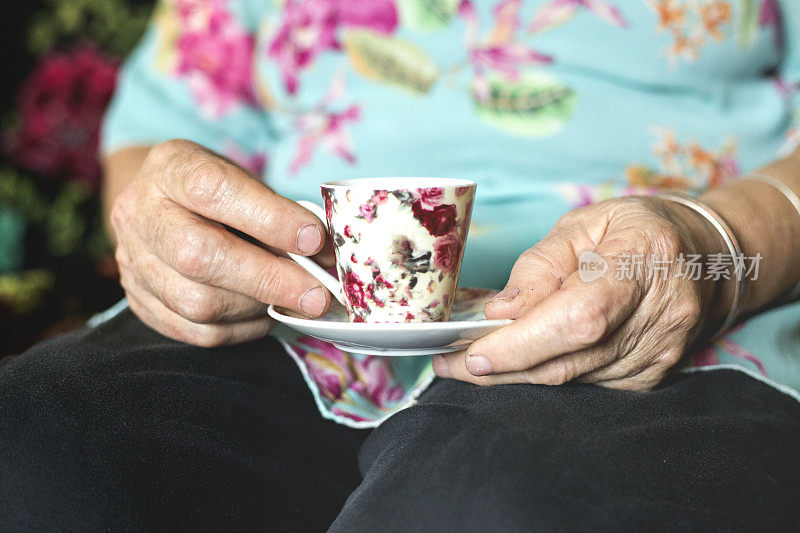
column 119, row 428
column 712, row 450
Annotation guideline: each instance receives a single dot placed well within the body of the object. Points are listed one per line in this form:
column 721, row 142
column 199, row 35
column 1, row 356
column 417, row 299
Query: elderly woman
column 587, row 411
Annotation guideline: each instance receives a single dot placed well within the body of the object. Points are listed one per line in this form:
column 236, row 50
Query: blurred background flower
column 59, row 111
column 56, row 264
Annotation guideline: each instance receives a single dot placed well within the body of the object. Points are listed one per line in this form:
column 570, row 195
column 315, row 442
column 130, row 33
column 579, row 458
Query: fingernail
column 506, row 295
column 440, row 366
column 312, row 302
column 308, row 239
column 478, row 365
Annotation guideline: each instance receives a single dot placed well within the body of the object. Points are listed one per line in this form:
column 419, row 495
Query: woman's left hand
column 624, row 329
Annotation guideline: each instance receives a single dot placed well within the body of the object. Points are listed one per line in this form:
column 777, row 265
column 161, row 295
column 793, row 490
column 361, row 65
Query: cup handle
column 330, row 282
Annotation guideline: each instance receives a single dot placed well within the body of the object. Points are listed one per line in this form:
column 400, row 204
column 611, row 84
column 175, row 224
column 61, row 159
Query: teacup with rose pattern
column 399, row 244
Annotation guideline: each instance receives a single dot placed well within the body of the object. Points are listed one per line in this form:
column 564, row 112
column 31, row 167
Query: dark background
column 83, row 280
column 18, row 61
column 17, row 17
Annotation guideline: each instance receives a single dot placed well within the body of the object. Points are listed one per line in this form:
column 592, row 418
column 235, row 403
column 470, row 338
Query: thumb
column 538, row 272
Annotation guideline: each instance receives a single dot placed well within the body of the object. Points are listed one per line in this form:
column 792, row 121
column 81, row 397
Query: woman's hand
column 186, row 274
column 624, row 329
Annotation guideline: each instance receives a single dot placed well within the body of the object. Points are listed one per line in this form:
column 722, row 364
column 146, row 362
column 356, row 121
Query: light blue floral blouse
column 547, row 104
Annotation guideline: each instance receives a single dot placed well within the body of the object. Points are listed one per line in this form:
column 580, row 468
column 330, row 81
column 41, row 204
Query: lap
column 120, row 427
column 711, row 450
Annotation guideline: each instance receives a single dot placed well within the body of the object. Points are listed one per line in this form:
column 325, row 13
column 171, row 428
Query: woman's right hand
column 190, row 278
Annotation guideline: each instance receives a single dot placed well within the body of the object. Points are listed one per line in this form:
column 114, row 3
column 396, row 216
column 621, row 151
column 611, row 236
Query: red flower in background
column 438, row 221
column 61, row 106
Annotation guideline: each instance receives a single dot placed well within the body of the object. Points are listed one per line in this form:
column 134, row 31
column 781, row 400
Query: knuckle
column 163, row 150
column 559, row 371
column 531, row 255
column 570, row 216
column 125, row 281
column 121, row 209
column 137, row 309
column 666, row 240
column 270, row 283
column 587, row 322
column 121, row 257
column 689, row 311
column 210, row 337
column 117, row 215
column 193, row 255
column 190, row 259
column 162, row 153
column 548, row 263
column 666, row 360
column 199, row 307
column 181, row 334
column 206, row 182
column 176, row 329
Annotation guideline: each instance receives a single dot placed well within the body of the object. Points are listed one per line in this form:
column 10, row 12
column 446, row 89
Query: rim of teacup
column 398, row 182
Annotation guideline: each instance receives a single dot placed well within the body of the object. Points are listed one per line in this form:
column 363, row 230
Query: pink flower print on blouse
column 705, row 357
column 335, row 372
column 327, row 127
column 710, row 355
column 376, row 382
column 310, row 27
column 557, row 12
column 377, row 15
column 215, row 56
column 770, row 15
column 498, row 52
column 737, row 350
column 255, row 163
column 328, row 366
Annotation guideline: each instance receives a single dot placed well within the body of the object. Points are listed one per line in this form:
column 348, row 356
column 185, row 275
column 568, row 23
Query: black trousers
column 119, row 428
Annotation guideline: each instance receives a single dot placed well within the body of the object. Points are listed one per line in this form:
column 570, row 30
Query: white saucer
column 467, row 323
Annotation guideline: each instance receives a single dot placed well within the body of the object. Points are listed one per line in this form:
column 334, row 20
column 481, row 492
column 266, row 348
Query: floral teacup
column 399, row 244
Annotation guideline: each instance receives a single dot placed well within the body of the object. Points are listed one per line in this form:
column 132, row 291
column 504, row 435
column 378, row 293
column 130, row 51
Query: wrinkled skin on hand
column 200, row 248
column 613, row 331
